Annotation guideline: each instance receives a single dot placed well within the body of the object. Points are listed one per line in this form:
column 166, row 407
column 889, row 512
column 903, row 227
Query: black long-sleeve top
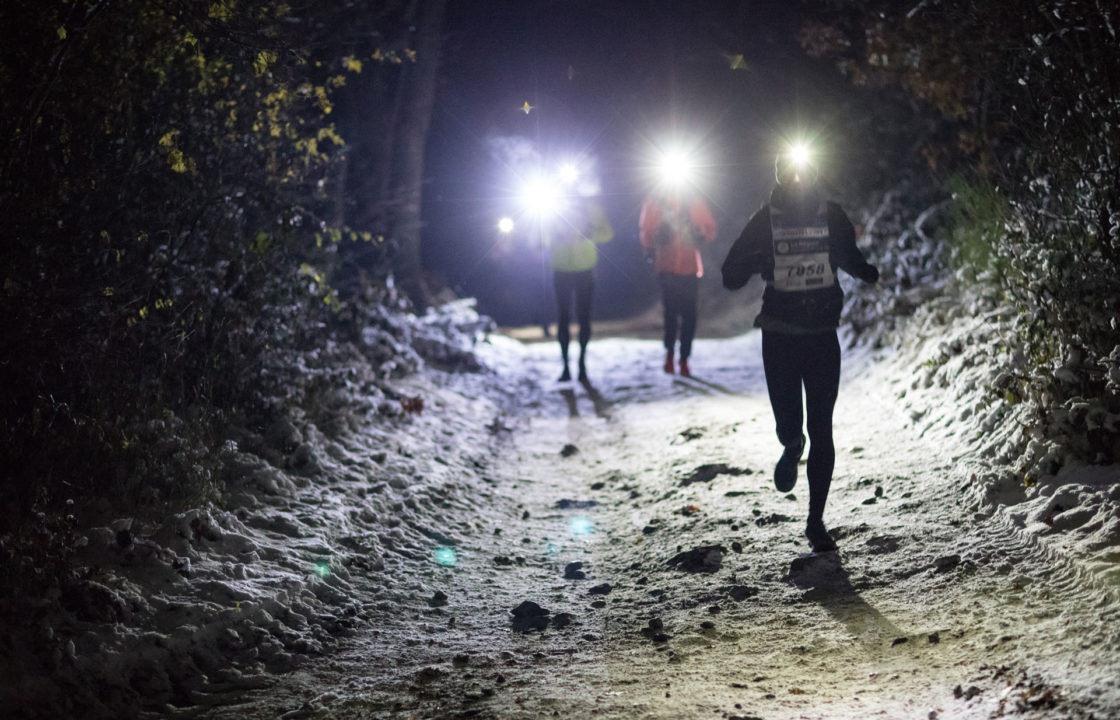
column 805, row 311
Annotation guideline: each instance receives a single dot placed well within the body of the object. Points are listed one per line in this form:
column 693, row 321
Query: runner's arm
column 748, row 254
column 848, row 257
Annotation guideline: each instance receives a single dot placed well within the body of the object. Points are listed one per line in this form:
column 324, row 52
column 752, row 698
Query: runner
column 672, row 227
column 573, row 255
column 796, row 242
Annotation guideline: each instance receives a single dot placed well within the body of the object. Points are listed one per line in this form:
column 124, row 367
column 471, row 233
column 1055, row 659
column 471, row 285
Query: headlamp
column 799, row 155
column 541, row 197
column 675, row 167
column 795, row 164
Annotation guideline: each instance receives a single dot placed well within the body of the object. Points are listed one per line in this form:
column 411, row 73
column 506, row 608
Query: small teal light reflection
column 445, row 556
column 580, row 526
column 551, row 549
column 322, row 569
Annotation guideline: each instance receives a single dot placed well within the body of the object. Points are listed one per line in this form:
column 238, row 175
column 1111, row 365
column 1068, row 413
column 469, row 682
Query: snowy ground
column 370, row 569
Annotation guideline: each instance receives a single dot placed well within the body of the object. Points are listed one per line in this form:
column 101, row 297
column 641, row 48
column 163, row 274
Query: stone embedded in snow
column 604, row 589
column 438, row 599
column 705, row 559
column 655, row 631
column 568, row 450
column 738, row 593
column 528, row 608
column 529, row 616
column 772, row 519
column 573, row 571
column 707, row 473
column 429, row 674
column 562, row 620
column 947, row 563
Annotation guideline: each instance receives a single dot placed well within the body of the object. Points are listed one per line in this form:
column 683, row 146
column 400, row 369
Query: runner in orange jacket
column 672, row 227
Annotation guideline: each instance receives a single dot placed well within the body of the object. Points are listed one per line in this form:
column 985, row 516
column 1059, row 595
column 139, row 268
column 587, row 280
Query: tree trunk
column 412, row 134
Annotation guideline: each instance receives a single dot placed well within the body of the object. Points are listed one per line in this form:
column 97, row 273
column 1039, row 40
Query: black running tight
column 792, row 362
column 577, row 287
column 678, row 300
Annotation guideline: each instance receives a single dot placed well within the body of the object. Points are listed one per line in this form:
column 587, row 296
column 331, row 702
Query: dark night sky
column 609, row 79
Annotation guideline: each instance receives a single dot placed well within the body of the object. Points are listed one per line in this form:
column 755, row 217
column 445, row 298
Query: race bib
column 800, row 253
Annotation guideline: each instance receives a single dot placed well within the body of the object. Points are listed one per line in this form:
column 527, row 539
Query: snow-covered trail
column 698, row 598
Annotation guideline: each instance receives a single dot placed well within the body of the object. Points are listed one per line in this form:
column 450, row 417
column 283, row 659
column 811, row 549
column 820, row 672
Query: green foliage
column 1029, row 108
column 978, row 220
column 166, row 171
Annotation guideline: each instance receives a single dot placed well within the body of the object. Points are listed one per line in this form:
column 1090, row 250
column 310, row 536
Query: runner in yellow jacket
column 573, row 254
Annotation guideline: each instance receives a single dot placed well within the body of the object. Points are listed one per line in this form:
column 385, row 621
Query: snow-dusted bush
column 1025, row 107
column 1046, row 254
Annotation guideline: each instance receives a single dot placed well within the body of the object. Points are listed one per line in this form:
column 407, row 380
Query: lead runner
column 796, row 242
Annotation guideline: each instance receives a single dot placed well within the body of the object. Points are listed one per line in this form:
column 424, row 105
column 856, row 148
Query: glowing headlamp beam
column 540, row 197
column 799, row 154
column 675, row 167
column 569, row 173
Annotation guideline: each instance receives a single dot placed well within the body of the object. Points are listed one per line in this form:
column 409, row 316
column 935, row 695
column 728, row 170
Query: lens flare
column 445, row 556
column 505, row 225
column 322, row 569
column 675, row 167
column 569, row 173
column 799, row 153
column 540, row 197
column 580, row 526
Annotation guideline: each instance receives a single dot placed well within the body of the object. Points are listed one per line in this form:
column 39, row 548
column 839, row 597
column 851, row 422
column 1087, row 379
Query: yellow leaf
column 265, row 58
column 222, row 10
column 61, row 33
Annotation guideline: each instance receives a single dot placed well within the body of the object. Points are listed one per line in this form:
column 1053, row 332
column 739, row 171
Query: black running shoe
column 819, row 538
column 785, row 472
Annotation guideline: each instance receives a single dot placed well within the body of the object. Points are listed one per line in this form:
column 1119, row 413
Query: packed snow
column 471, row 538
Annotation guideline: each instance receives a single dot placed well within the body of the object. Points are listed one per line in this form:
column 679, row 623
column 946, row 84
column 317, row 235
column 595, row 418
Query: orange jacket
column 675, row 236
